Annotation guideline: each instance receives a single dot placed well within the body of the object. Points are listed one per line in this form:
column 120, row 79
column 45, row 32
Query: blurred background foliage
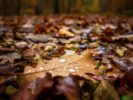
column 45, row 7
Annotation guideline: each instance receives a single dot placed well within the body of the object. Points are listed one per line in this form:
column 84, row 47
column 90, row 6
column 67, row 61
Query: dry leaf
column 65, row 33
column 105, row 91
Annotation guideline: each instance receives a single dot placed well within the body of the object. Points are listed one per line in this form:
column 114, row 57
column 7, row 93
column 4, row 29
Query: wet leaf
column 74, row 64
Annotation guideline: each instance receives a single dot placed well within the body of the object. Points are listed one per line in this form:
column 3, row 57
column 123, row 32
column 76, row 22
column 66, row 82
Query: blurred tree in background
column 122, row 6
column 44, row 7
column 95, row 6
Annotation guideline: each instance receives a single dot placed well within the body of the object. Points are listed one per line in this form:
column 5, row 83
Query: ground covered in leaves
column 66, row 57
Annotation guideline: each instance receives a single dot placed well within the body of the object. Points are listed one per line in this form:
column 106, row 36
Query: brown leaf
column 49, row 88
column 32, row 90
column 124, row 64
column 105, row 91
column 5, row 49
column 74, row 64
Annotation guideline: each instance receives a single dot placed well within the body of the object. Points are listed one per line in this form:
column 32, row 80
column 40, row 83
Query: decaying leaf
column 5, row 49
column 37, row 38
column 49, row 88
column 32, row 46
column 122, row 37
column 105, row 91
column 10, row 57
column 124, row 64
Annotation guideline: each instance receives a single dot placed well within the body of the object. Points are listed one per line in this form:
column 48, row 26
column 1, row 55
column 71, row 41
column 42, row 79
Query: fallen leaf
column 65, row 33
column 72, row 64
column 105, row 91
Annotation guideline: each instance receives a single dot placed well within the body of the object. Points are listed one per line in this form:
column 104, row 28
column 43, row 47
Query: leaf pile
column 90, row 47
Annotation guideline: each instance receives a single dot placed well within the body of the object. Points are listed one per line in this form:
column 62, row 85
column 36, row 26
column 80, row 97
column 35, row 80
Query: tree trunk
column 18, row 7
column 56, row 6
column 95, row 6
